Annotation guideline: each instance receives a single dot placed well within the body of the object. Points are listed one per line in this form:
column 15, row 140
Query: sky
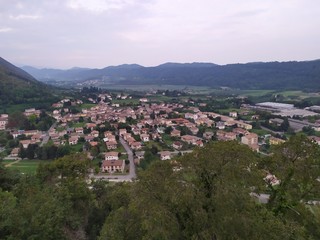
column 100, row 33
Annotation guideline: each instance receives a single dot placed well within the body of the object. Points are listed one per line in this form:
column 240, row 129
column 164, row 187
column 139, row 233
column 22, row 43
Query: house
column 140, row 154
column 240, row 131
column 251, row 140
column 194, row 130
column 14, row 152
column 25, row 143
column 230, row 136
column 122, row 131
column 208, row 135
column 199, row 143
column 160, row 130
column 275, row 141
column 145, row 137
column 315, row 139
column 139, row 157
column 190, row 139
column 95, row 133
column 143, row 100
column 36, row 137
column 175, row 133
column 109, row 156
column 177, row 145
column 111, row 145
column 220, row 125
column 233, row 114
column 112, row 166
column 136, row 145
column 272, row 179
column 31, row 111
column 94, row 144
column 91, row 125
column 276, row 121
column 243, row 125
column 89, row 138
column 3, row 123
column 73, row 140
column 165, row 155
column 79, row 130
column 31, row 132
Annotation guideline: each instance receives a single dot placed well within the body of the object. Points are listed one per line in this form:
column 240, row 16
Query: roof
column 112, row 163
column 112, row 154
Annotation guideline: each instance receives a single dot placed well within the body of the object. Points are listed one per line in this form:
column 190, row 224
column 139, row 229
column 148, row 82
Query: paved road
column 132, row 171
column 121, row 178
column 47, row 137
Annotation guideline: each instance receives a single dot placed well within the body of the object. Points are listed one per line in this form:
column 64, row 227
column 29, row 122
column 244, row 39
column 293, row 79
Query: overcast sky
column 100, row 33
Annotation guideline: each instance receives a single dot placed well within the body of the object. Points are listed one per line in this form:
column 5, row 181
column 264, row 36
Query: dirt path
column 10, row 164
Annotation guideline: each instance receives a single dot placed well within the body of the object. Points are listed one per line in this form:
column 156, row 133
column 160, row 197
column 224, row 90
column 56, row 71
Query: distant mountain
column 47, row 74
column 256, row 75
column 18, row 86
column 186, row 65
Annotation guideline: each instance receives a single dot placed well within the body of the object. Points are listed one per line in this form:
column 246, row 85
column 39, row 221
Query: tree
column 22, row 152
column 202, row 195
column 17, row 120
column 296, row 163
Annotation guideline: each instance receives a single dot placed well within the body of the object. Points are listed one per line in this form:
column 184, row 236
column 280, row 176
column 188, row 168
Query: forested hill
column 17, row 86
column 259, row 75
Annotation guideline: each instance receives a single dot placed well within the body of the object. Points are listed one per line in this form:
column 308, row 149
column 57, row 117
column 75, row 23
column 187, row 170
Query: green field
column 27, row 166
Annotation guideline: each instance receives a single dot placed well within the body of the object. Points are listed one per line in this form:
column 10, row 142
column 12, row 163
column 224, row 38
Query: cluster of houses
column 150, row 123
column 34, row 137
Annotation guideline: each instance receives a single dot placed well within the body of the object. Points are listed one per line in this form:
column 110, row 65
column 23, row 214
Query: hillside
column 17, row 86
column 271, row 75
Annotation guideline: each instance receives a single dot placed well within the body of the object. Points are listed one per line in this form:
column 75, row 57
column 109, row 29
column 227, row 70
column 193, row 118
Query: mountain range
column 257, row 75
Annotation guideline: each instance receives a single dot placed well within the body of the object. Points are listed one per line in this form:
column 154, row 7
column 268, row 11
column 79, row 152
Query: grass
column 260, row 132
column 4, row 162
column 28, row 166
column 167, row 139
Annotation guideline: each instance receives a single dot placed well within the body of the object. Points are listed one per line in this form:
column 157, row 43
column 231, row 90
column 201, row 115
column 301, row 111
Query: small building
column 73, row 140
column 177, row 145
column 275, row 141
column 145, row 137
column 112, row 166
column 233, row 114
column 109, row 156
column 165, row 155
column 111, row 145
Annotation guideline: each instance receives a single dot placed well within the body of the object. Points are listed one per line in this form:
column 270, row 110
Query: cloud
column 24, row 17
column 5, row 29
column 98, row 6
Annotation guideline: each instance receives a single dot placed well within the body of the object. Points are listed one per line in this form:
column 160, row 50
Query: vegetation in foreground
column 203, row 195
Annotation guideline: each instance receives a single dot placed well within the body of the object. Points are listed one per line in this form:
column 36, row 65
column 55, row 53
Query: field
column 24, row 166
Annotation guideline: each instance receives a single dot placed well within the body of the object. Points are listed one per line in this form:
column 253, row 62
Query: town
column 120, row 138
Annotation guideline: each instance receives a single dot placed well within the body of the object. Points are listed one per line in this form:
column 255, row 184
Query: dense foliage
column 17, row 87
column 208, row 194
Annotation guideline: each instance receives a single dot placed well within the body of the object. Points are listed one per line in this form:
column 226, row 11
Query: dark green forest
column 208, row 194
column 18, row 87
